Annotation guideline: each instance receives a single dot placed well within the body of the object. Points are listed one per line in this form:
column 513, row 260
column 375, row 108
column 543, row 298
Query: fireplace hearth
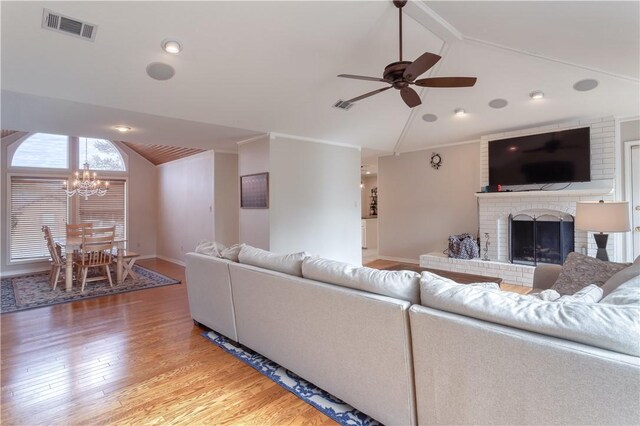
column 540, row 237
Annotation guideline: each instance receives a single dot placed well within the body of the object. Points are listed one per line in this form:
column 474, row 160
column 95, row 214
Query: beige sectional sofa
column 411, row 349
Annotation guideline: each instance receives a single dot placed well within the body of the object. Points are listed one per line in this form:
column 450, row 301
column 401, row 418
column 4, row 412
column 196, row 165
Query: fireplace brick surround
column 494, row 208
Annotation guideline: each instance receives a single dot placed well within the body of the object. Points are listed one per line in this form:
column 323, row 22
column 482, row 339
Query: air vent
column 57, row 22
column 343, row 104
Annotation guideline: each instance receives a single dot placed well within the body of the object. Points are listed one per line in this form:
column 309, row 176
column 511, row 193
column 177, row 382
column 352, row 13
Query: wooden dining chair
column 57, row 260
column 128, row 260
column 96, row 251
column 75, row 229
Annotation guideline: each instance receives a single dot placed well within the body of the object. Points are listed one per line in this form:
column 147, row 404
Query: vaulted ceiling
column 253, row 67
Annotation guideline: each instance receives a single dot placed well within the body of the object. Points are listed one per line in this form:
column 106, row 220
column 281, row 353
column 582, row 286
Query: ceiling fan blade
column 366, row 95
column 420, row 65
column 361, row 77
column 410, row 97
column 446, row 82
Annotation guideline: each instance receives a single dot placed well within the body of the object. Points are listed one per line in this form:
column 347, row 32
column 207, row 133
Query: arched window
column 42, row 150
column 100, row 154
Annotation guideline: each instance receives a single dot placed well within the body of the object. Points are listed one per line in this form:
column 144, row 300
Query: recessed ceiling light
column 429, row 118
column 160, row 71
column 171, row 46
column 585, row 85
column 536, row 94
column 367, row 173
column 122, row 129
column 498, row 103
column 459, row 112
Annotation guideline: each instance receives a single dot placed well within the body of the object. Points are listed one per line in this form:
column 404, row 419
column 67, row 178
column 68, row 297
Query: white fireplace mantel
column 566, row 192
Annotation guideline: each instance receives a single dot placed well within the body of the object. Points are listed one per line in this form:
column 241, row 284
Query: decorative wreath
column 436, row 160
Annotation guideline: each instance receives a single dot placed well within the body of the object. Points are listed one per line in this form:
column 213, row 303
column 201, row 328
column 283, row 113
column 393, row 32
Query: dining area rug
column 33, row 290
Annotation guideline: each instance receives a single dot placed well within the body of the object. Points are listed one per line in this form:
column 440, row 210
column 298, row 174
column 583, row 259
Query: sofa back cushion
column 626, row 294
column 286, row 263
column 604, row 325
column 403, row 285
column 621, row 277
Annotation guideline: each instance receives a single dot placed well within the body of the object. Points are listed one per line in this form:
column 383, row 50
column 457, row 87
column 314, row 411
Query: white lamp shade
column 603, row 216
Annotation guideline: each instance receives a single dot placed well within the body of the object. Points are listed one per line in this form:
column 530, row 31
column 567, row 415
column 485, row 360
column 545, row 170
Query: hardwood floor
column 131, row 358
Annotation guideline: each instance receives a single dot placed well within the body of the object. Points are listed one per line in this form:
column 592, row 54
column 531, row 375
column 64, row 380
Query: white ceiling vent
column 57, row 22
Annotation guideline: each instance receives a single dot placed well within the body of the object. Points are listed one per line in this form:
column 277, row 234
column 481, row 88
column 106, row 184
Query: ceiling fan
column 400, row 75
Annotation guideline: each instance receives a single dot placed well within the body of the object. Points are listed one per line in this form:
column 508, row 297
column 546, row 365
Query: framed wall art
column 254, row 191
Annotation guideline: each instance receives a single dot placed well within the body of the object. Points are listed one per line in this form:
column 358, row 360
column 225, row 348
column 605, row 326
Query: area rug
column 33, row 290
column 328, row 404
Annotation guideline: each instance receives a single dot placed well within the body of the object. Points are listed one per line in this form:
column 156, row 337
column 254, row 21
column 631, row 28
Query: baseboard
column 168, row 259
column 400, row 259
column 148, row 256
column 24, row 272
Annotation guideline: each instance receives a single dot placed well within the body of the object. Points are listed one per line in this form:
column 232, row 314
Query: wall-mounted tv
column 555, row 157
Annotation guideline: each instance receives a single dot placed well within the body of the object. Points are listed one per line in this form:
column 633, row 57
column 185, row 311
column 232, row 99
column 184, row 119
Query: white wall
column 227, row 199
column 315, row 199
column 185, row 205
column 419, row 206
column 142, row 199
column 253, row 157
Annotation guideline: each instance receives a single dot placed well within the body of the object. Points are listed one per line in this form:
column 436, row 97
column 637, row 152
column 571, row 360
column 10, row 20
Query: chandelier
column 84, row 182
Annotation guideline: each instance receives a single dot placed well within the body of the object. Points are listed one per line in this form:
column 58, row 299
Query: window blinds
column 106, row 211
column 35, row 202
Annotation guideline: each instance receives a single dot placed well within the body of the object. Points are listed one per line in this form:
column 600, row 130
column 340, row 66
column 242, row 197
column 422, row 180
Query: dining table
column 72, row 243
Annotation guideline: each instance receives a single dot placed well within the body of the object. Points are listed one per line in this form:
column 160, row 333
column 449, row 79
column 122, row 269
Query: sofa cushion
column 579, row 271
column 403, row 285
column 607, row 326
column 589, row 294
column 627, row 293
column 286, row 263
column 621, row 276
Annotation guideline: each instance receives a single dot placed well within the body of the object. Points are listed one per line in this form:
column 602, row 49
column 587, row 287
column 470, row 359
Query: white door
column 635, row 199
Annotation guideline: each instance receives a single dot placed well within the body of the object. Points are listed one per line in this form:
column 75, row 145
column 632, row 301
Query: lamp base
column 601, row 242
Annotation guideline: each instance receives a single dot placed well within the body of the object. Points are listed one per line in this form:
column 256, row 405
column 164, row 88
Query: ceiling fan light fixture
column 536, row 95
column 459, row 112
column 171, row 46
column 122, row 129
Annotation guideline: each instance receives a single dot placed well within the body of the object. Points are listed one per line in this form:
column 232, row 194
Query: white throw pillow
column 231, row 253
column 607, row 326
column 286, row 263
column 589, row 294
column 210, row 248
column 398, row 284
column 627, row 293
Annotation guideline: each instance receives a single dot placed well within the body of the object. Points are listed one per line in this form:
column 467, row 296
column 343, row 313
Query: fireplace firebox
column 540, row 237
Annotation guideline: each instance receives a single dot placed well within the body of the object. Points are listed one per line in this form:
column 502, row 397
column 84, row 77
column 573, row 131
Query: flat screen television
column 555, row 157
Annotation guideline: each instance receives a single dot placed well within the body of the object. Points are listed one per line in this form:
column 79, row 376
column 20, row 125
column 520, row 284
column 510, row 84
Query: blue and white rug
column 328, row 404
column 33, row 290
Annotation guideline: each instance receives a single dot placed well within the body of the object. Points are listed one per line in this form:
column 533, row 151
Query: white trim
column 400, row 259
column 273, row 135
column 169, row 259
column 19, row 272
column 628, row 253
column 433, row 22
column 619, row 239
column 628, row 118
column 147, row 256
column 473, row 40
column 548, row 193
column 444, row 145
column 225, row 151
column 252, row 139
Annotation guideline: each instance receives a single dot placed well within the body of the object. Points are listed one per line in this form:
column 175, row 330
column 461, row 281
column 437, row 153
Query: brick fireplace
column 494, row 209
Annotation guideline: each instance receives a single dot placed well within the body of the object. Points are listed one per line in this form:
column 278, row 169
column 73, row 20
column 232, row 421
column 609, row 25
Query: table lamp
column 601, row 217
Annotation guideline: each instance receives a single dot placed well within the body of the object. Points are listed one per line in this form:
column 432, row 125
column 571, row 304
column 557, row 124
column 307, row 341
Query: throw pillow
column 628, row 293
column 286, row 263
column 231, row 253
column 210, row 248
column 589, row 294
column 579, row 271
column 621, row 277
